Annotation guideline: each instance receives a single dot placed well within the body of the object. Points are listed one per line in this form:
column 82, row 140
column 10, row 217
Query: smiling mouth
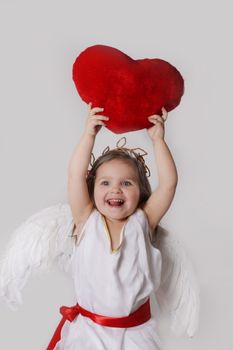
column 115, row 202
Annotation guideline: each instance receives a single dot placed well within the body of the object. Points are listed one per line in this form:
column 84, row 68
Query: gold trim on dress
column 109, row 236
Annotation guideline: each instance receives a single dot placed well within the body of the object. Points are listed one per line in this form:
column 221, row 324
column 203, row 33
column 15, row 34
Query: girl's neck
column 115, row 222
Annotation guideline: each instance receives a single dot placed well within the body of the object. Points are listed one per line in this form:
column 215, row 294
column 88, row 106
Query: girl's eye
column 105, row 183
column 127, row 183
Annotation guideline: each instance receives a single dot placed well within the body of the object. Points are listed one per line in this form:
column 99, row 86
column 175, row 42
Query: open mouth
column 115, row 202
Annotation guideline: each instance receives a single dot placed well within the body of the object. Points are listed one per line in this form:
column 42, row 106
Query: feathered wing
column 40, row 241
column 45, row 238
column 179, row 291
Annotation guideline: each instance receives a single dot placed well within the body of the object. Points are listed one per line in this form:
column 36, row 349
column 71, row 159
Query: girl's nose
column 116, row 189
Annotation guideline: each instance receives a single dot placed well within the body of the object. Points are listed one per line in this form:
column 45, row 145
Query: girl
column 115, row 266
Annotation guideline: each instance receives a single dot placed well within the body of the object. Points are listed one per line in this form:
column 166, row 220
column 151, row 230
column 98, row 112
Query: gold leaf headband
column 137, row 153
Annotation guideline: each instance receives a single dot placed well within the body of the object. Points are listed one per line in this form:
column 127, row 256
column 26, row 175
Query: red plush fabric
column 128, row 90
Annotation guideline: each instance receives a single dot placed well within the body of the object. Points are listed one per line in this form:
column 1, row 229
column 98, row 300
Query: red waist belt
column 141, row 315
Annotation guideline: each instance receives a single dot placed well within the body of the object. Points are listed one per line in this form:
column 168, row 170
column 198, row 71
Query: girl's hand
column 94, row 121
column 157, row 130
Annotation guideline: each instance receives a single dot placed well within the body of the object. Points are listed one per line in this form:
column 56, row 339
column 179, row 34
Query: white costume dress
column 107, row 283
column 113, row 283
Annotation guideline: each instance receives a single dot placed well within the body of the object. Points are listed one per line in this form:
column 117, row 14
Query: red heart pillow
column 128, row 90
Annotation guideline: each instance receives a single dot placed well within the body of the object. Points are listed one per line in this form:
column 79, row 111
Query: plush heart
column 128, row 90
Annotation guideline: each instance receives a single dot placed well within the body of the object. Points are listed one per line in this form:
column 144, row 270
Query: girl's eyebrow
column 104, row 177
column 110, row 177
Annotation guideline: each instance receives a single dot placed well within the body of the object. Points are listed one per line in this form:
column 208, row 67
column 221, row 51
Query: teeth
column 116, row 200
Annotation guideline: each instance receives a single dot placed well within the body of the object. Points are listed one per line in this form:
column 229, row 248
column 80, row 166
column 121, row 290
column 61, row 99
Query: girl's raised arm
column 161, row 199
column 79, row 199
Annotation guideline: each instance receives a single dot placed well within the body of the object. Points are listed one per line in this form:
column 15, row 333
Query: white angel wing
column 46, row 238
column 179, row 291
column 41, row 240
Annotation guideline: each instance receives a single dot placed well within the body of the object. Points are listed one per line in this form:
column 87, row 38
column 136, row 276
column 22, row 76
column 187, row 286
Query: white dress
column 113, row 283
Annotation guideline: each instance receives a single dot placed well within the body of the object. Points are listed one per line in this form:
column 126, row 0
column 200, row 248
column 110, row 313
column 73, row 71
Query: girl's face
column 116, row 190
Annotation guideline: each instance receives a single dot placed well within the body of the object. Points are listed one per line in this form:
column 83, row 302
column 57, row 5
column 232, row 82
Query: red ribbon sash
column 140, row 316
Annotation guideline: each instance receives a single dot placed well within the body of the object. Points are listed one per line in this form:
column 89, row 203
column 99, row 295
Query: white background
column 42, row 118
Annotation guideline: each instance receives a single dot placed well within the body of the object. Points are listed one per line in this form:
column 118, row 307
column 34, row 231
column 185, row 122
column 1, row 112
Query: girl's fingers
column 99, row 117
column 164, row 113
column 89, row 106
column 155, row 117
column 159, row 117
column 96, row 110
column 99, row 122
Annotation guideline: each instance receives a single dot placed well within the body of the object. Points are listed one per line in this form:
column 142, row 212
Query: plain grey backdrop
column 42, row 118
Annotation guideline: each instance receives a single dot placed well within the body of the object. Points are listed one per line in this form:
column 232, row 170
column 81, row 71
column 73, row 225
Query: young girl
column 115, row 266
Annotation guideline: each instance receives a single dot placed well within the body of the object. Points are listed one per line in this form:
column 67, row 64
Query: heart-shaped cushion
column 128, row 90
